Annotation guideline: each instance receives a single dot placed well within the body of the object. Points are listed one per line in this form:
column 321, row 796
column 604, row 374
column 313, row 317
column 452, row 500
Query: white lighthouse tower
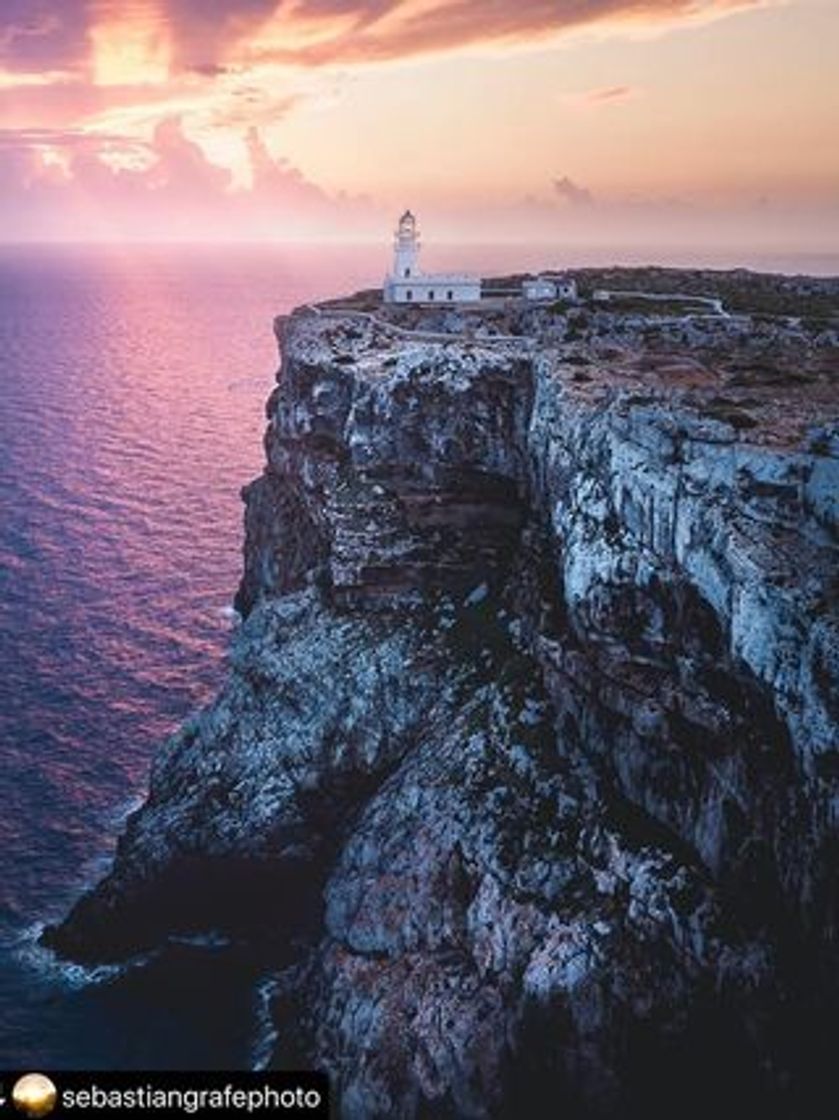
column 406, row 247
column 407, row 283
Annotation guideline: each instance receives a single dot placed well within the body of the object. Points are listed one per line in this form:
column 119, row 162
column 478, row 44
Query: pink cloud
column 603, row 97
column 174, row 191
column 43, row 34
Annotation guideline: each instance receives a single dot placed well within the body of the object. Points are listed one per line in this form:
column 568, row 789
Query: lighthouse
column 406, row 247
column 407, row 283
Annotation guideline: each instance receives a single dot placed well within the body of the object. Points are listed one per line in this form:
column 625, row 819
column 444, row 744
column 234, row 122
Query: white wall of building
column 549, row 287
column 432, row 288
column 538, row 288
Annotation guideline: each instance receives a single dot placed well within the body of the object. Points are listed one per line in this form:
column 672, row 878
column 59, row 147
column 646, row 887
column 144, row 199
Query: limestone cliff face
column 525, row 777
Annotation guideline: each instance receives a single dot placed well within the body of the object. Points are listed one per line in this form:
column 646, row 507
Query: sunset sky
column 691, row 121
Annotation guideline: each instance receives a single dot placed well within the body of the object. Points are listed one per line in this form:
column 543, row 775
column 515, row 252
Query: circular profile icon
column 34, row 1095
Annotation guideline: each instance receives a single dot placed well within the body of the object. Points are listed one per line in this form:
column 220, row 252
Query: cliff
column 524, row 780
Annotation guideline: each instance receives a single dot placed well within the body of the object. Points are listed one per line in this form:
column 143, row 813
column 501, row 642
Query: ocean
column 133, row 383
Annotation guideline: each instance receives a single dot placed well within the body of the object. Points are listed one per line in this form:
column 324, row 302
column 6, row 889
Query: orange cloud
column 318, row 32
column 136, row 41
column 130, row 43
column 608, row 95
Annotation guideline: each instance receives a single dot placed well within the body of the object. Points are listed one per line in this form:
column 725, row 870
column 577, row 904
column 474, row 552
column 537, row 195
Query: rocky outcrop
column 390, row 473
column 524, row 780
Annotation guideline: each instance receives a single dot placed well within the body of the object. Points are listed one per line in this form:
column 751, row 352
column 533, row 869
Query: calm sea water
column 132, row 386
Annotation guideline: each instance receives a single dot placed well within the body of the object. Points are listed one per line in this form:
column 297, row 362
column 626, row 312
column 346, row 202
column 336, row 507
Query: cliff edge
column 524, row 780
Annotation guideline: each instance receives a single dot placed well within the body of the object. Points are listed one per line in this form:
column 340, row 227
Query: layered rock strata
column 525, row 776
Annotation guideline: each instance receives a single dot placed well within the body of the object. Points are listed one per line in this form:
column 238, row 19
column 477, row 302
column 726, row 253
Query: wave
column 265, row 1031
column 115, row 818
column 30, row 953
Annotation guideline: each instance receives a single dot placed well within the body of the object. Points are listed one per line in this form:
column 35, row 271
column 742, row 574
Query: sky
column 578, row 121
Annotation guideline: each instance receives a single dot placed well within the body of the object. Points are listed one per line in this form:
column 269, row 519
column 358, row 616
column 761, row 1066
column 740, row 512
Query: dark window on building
column 407, row 272
column 449, row 294
column 409, row 294
column 431, row 295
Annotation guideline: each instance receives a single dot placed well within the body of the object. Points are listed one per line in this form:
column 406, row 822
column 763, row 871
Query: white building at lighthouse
column 407, row 283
